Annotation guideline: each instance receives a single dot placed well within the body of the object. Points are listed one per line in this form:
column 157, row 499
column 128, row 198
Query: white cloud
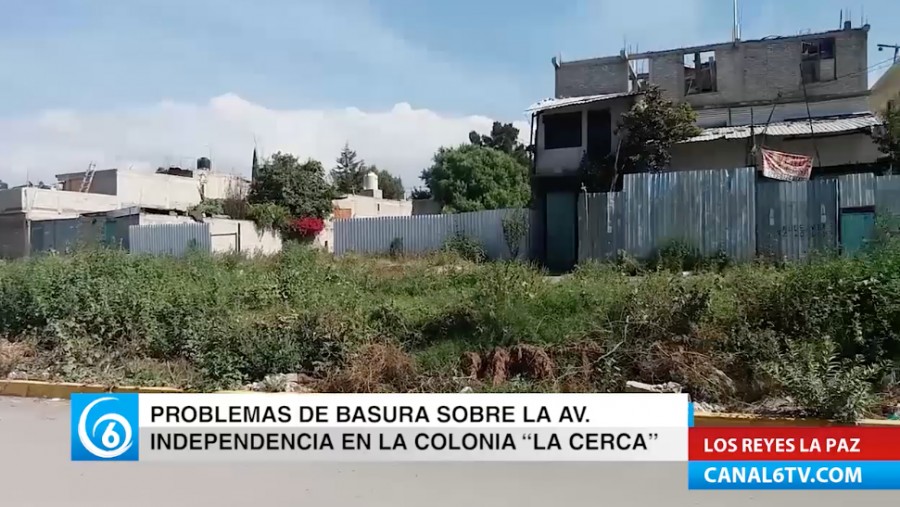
column 402, row 139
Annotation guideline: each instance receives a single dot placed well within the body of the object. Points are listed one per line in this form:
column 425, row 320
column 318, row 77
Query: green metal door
column 109, row 233
column 560, row 230
column 857, row 229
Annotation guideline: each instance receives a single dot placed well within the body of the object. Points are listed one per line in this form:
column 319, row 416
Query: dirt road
column 36, row 471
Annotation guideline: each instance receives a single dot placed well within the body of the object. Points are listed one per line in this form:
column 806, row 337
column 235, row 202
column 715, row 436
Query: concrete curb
column 39, row 389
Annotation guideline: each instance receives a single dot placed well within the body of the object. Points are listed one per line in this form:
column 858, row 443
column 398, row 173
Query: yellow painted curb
column 39, row 389
column 724, row 420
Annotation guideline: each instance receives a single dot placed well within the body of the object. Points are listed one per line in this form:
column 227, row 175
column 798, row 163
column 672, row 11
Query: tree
column 299, row 187
column 887, row 136
column 420, row 193
column 651, row 128
column 391, row 186
column 254, row 169
column 647, row 133
column 503, row 137
column 349, row 176
column 473, row 178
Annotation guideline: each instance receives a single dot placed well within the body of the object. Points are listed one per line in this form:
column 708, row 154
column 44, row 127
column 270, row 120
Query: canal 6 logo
column 104, row 426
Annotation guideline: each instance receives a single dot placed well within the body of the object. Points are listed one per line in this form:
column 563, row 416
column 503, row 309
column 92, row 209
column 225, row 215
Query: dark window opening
column 638, row 74
column 699, row 72
column 562, row 130
column 817, row 61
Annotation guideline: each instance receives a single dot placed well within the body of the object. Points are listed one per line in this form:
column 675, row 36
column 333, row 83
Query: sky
column 140, row 84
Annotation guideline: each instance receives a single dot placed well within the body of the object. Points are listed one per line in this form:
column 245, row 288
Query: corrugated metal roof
column 798, row 127
column 546, row 104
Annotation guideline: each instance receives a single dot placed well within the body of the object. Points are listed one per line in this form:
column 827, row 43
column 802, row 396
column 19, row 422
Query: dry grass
column 14, row 356
column 375, row 367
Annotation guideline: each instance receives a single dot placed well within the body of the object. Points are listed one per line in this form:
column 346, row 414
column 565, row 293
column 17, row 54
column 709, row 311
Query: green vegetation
column 350, row 172
column 817, row 336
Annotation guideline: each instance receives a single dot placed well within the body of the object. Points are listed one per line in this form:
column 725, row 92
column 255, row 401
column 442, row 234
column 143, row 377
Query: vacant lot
column 817, row 337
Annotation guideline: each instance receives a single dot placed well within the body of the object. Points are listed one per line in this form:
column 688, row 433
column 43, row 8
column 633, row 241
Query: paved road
column 35, row 471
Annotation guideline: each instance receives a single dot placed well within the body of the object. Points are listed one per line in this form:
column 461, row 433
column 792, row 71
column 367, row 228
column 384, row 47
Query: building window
column 638, row 74
column 562, row 130
column 699, row 72
column 817, row 62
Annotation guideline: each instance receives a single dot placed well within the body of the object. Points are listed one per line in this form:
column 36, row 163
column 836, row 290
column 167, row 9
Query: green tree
column 254, row 169
column 503, row 137
column 647, row 133
column 651, row 128
column 299, row 187
column 887, row 136
column 473, row 178
column 347, row 176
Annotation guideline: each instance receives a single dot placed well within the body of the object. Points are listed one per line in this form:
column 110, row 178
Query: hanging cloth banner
column 786, row 166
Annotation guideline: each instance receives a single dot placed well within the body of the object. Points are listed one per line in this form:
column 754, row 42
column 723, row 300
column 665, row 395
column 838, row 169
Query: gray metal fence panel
column 169, row 239
column 54, row 235
column 887, row 192
column 712, row 210
column 857, row 190
column 426, row 233
column 601, row 225
column 795, row 219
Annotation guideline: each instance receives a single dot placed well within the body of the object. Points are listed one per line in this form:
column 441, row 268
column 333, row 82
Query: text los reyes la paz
column 373, row 414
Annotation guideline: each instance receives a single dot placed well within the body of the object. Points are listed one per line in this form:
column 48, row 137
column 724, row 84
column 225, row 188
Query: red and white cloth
column 786, row 166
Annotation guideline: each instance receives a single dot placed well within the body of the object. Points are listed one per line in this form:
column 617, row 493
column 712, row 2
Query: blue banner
column 794, row 475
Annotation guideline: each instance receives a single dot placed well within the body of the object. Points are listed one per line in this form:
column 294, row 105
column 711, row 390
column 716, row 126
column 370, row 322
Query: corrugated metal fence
column 729, row 211
column 795, row 219
column 425, row 233
column 712, row 210
column 169, row 239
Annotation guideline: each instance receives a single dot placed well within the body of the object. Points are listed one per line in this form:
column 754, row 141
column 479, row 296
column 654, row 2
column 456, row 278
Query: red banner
column 786, row 166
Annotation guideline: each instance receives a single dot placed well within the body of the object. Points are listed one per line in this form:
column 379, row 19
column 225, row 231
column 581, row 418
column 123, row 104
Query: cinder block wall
column 753, row 71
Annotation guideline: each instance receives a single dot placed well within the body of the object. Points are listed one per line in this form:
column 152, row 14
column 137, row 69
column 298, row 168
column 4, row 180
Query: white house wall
column 566, row 160
column 165, row 191
column 225, row 234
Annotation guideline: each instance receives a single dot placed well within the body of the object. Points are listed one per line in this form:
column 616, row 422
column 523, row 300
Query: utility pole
column 736, row 24
column 895, row 47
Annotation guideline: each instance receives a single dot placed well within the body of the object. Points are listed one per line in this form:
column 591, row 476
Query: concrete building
column 886, row 91
column 175, row 189
column 108, row 190
column 369, row 203
column 806, row 93
column 112, row 228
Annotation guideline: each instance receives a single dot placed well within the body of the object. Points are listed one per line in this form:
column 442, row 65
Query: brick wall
column 753, row 71
column 591, row 77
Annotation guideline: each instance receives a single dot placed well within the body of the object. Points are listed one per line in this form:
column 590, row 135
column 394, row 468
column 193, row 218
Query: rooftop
column 859, row 122
column 548, row 104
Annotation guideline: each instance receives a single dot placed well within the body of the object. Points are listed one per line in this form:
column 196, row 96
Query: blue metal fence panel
column 857, row 190
column 54, row 235
column 169, row 239
column 796, row 219
column 427, row 233
column 887, row 193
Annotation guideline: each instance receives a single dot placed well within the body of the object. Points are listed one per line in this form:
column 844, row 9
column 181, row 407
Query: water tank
column 204, row 163
column 371, row 181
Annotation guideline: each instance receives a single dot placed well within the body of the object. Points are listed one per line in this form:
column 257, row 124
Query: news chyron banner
column 380, row 427
column 864, row 458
